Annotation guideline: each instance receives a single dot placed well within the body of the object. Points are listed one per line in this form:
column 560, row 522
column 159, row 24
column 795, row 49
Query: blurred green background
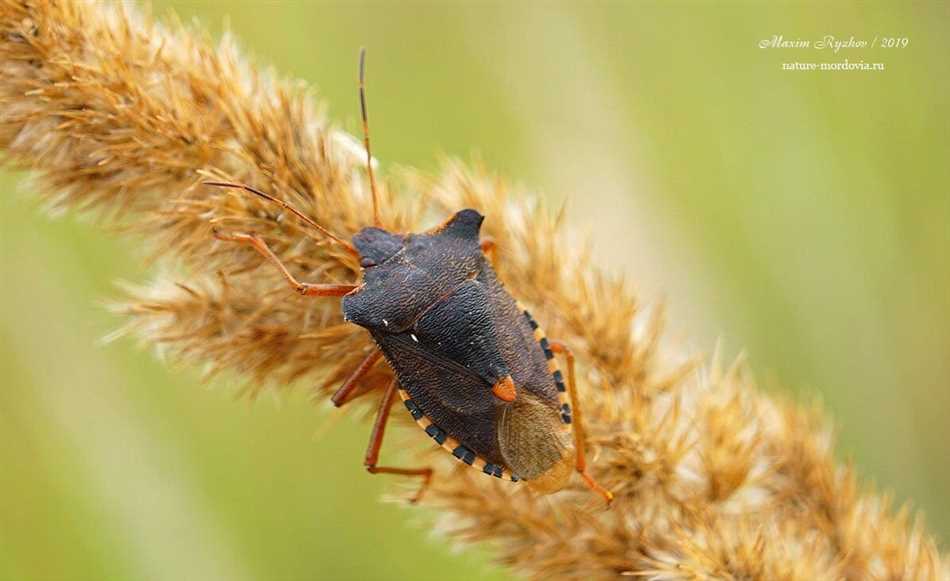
column 803, row 217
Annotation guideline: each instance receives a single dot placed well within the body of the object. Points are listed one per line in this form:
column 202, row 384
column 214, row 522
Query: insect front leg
column 580, row 436
column 303, row 288
column 376, row 442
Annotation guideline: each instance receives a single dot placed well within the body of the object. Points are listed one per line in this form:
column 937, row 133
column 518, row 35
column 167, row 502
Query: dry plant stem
column 712, row 478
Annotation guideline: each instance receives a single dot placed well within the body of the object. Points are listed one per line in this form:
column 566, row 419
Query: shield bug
column 472, row 366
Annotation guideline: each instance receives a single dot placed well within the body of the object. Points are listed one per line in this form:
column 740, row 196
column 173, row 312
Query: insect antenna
column 369, row 155
column 349, row 247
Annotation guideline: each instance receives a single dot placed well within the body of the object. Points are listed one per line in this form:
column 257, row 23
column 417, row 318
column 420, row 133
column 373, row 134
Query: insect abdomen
column 451, row 444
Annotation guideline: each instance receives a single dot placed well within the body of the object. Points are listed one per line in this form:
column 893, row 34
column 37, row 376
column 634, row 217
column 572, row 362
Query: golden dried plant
column 713, row 479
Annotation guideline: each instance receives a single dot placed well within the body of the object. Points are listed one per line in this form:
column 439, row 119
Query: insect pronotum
column 471, row 365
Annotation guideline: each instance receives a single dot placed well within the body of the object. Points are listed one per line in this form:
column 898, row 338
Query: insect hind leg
column 580, row 435
column 376, row 442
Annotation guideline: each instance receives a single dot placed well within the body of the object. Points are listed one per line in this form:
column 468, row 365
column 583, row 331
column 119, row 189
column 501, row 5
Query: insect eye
column 367, row 262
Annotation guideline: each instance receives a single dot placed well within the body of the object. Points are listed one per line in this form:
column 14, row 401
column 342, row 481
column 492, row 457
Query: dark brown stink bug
column 471, row 364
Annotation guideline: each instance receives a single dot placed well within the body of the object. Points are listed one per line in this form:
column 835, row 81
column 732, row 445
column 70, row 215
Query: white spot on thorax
column 414, row 338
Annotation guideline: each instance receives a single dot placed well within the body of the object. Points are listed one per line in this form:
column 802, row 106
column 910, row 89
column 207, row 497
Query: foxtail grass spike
column 115, row 114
